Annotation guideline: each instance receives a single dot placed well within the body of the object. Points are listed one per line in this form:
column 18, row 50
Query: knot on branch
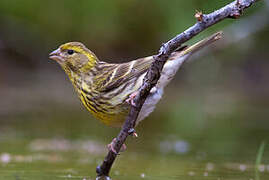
column 239, row 7
column 132, row 132
column 199, row 15
column 98, row 170
column 163, row 50
column 236, row 13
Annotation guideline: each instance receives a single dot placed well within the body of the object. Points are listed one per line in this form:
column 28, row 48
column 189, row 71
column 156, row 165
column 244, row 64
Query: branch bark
column 232, row 10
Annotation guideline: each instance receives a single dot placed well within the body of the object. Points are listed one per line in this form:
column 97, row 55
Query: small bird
column 106, row 89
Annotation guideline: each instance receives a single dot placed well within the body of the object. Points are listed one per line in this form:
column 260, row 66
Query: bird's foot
column 130, row 100
column 112, row 144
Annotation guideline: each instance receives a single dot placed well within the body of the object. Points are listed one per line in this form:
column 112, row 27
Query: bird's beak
column 56, row 55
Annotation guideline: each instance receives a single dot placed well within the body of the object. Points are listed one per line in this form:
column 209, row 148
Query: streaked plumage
column 103, row 88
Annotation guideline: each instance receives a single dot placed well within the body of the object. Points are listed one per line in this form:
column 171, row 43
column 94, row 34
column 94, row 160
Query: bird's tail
column 199, row 45
column 177, row 58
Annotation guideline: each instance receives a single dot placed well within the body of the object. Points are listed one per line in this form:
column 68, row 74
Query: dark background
column 215, row 109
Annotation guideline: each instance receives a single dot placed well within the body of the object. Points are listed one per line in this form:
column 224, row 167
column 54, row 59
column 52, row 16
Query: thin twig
column 232, row 10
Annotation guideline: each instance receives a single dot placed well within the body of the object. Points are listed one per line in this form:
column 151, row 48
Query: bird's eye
column 70, row 51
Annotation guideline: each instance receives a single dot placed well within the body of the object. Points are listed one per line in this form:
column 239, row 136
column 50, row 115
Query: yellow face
column 74, row 55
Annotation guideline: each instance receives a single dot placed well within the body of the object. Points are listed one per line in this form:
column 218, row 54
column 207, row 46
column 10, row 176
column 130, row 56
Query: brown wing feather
column 122, row 73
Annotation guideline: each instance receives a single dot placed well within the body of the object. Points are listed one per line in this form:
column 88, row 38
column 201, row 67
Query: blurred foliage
column 218, row 105
column 112, row 29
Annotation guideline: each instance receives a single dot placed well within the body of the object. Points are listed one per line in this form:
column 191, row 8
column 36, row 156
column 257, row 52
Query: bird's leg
column 112, row 144
column 131, row 131
column 124, row 147
column 130, row 100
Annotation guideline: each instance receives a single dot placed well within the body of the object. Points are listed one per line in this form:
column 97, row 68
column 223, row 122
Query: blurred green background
column 209, row 124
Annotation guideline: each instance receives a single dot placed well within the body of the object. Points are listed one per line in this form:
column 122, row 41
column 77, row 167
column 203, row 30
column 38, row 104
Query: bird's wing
column 114, row 75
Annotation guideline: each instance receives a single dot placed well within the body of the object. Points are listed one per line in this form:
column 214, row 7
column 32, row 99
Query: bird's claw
column 130, row 100
column 111, row 147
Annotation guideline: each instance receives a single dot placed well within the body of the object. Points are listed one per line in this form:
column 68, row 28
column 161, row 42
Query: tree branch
column 232, row 10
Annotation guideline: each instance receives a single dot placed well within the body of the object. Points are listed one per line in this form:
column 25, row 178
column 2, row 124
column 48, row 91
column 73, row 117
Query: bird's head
column 74, row 56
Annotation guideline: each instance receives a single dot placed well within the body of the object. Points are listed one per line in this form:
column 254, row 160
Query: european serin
column 104, row 88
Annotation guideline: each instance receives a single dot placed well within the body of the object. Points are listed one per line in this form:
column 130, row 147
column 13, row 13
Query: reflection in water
column 190, row 143
column 89, row 146
column 82, row 155
column 5, row 158
column 178, row 146
column 209, row 166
